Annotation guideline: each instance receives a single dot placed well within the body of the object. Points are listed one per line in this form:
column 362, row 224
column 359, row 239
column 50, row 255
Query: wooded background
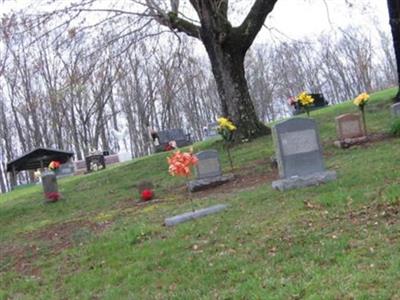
column 73, row 91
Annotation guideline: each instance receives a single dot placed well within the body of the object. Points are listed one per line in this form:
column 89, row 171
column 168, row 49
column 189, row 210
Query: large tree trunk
column 236, row 104
column 394, row 15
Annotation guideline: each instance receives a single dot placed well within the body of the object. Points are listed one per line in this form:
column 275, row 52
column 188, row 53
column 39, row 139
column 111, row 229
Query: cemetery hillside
column 333, row 240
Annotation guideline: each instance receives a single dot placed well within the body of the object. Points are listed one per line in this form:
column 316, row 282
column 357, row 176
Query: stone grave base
column 299, row 182
column 205, row 183
column 346, row 143
column 194, row 214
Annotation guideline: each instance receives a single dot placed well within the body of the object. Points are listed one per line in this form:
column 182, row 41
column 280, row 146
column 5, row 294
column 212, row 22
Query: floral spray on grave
column 180, row 164
column 226, row 129
column 361, row 100
column 305, row 100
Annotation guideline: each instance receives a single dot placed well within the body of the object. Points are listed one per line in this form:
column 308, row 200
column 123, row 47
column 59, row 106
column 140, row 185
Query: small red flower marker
column 146, row 195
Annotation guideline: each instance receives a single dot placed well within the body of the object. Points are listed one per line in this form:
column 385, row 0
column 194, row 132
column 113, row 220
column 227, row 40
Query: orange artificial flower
column 180, row 163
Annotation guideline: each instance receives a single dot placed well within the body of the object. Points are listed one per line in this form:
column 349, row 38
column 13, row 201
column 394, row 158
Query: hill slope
column 338, row 240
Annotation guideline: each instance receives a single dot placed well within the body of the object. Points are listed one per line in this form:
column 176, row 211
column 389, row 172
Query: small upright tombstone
column 211, row 130
column 50, row 187
column 95, row 162
column 350, row 130
column 395, row 108
column 208, row 171
column 299, row 155
column 177, row 135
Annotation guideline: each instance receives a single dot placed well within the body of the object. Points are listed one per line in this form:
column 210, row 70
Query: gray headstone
column 208, row 164
column 163, row 137
column 298, row 147
column 299, row 154
column 349, row 126
column 177, row 134
column 395, row 108
column 50, row 186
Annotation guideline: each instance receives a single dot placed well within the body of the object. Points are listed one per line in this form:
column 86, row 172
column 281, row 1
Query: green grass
column 336, row 241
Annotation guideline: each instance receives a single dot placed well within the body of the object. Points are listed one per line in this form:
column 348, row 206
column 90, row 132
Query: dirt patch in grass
column 246, row 177
column 239, row 183
column 22, row 253
column 376, row 138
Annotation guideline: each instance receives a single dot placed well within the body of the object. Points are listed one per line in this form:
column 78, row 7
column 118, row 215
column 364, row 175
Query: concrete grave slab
column 194, row 215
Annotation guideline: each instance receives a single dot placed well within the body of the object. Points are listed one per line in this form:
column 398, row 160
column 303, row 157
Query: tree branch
column 172, row 20
column 255, row 20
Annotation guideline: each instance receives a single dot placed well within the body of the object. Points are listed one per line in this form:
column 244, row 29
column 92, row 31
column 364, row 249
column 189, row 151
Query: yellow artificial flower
column 305, row 99
column 361, row 99
column 225, row 123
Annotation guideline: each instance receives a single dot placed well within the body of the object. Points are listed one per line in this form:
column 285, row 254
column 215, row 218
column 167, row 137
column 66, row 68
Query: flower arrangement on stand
column 180, row 164
column 226, row 129
column 361, row 100
column 305, row 101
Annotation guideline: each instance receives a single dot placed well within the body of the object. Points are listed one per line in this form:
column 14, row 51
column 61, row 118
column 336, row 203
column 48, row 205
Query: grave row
column 298, row 153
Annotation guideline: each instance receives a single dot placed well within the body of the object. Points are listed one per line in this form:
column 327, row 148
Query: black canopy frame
column 36, row 159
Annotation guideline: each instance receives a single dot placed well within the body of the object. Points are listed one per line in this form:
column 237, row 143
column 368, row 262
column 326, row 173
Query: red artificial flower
column 52, row 196
column 147, row 195
column 54, row 165
column 180, row 163
column 168, row 148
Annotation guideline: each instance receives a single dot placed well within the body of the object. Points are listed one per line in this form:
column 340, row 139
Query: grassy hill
column 335, row 241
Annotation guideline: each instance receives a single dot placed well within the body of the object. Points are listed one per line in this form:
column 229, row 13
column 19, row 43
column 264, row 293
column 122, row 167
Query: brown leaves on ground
column 388, row 213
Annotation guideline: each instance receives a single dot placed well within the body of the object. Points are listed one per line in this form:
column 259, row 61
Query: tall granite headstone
column 299, row 154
